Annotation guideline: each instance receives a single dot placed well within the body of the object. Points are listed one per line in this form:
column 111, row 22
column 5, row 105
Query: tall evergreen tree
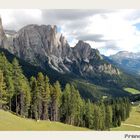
column 35, row 98
column 102, row 116
column 96, row 117
column 73, row 103
column 41, row 91
column 55, row 101
column 78, row 120
column 2, row 91
column 65, row 106
column 89, row 114
column 7, row 69
column 22, row 90
column 108, row 117
column 46, row 99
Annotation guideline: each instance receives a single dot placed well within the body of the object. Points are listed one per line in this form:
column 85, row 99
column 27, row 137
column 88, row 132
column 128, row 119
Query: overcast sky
column 109, row 31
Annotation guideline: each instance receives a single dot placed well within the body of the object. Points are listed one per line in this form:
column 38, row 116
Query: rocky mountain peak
column 84, row 51
column 82, row 45
column 128, row 61
column 42, row 44
column 2, row 34
column 125, row 55
column 3, row 38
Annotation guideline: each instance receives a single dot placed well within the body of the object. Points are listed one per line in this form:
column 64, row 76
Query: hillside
column 9, row 121
column 92, row 89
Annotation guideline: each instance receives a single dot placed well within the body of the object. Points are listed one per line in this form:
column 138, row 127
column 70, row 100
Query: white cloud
column 16, row 19
column 112, row 31
column 116, row 28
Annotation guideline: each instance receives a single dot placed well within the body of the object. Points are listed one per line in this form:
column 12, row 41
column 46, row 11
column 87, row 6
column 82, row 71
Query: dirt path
column 133, row 125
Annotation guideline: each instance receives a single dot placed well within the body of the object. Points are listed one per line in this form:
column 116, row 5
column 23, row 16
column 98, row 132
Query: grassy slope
column 9, row 121
column 132, row 90
column 125, row 128
column 134, row 119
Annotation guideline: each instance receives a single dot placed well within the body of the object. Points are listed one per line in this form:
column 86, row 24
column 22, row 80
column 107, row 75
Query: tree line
column 38, row 99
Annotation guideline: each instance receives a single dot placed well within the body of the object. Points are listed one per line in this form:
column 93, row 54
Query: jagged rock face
column 2, row 34
column 83, row 51
column 90, row 60
column 3, row 39
column 43, row 44
column 38, row 44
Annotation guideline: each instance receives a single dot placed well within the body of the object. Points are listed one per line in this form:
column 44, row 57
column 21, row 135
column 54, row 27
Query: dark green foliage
column 2, row 91
column 72, row 106
column 108, row 117
column 66, row 104
column 46, row 99
column 35, row 98
column 121, row 109
column 7, row 70
column 41, row 91
column 89, row 114
column 55, row 95
column 21, row 89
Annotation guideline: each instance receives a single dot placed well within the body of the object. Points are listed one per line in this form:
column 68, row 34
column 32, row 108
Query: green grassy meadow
column 132, row 90
column 134, row 119
column 9, row 121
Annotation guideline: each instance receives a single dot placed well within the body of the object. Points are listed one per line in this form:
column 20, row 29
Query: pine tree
column 127, row 106
column 119, row 121
column 55, row 101
column 26, row 97
column 51, row 105
column 114, row 116
column 2, row 91
column 46, row 99
column 83, row 114
column 102, row 116
column 35, row 97
column 7, row 69
column 65, row 106
column 96, row 121
column 78, row 119
column 22, row 90
column 72, row 106
column 73, row 103
column 89, row 114
column 41, row 91
column 108, row 117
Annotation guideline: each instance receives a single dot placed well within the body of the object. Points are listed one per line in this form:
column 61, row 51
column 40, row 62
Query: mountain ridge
column 127, row 61
column 43, row 44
